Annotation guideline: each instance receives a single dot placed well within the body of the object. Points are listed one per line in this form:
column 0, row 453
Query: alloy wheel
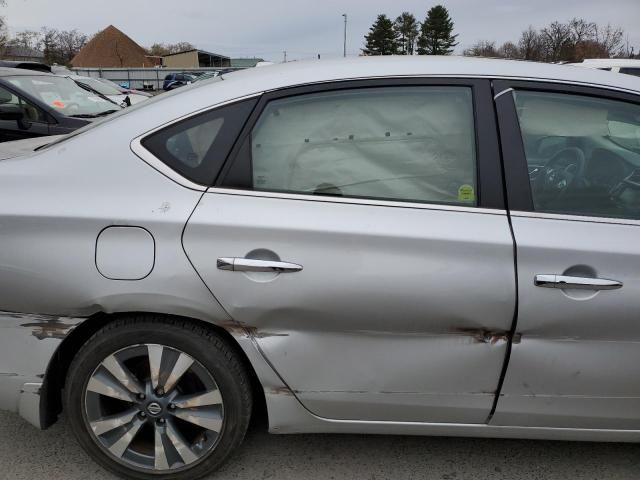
column 153, row 407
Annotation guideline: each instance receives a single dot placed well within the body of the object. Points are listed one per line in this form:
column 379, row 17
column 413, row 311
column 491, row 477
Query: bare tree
column 509, row 50
column 60, row 46
column 556, row 41
column 560, row 42
column 482, row 48
column 27, row 39
column 4, row 34
column 530, row 44
column 582, row 30
column 160, row 49
column 70, row 42
column 610, row 38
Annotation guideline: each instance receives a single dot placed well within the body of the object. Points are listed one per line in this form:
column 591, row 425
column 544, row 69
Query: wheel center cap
column 154, row 409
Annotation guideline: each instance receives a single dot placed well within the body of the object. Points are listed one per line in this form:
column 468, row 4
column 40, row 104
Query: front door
column 349, row 237
column 578, row 257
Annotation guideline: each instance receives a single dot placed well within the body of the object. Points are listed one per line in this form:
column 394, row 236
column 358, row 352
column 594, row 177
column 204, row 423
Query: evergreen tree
column 408, row 29
column 436, row 35
column 382, row 38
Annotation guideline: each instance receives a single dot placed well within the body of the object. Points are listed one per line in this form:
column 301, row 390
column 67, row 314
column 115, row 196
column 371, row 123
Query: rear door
column 359, row 234
column 572, row 158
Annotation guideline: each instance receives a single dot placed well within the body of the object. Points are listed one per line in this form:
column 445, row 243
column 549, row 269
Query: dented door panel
column 396, row 310
column 393, row 376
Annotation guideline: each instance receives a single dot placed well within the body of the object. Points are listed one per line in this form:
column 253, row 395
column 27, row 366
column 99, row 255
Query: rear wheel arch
column 56, row 373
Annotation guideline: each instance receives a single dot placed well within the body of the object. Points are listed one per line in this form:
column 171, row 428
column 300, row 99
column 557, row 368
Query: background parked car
column 40, row 67
column 110, row 91
column 127, row 91
column 616, row 65
column 35, row 103
column 175, row 80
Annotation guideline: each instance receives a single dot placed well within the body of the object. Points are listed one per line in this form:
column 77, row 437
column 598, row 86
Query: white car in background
column 109, row 90
column 126, row 91
column 616, row 65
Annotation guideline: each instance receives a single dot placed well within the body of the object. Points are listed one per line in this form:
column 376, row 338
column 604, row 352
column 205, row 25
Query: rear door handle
column 235, row 264
column 579, row 283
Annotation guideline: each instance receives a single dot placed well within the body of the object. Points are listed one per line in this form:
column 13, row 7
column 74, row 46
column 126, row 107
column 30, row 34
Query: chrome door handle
column 235, row 264
column 579, row 283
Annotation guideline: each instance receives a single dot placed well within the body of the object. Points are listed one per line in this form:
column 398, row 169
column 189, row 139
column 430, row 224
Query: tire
column 166, row 434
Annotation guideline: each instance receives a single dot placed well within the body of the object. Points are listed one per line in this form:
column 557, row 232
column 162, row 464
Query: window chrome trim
column 157, row 164
column 354, row 201
column 503, row 92
column 161, row 167
column 601, row 86
column 575, row 218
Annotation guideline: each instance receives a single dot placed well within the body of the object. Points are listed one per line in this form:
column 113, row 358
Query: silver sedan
column 421, row 246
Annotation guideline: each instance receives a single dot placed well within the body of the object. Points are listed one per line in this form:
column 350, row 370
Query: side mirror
column 10, row 112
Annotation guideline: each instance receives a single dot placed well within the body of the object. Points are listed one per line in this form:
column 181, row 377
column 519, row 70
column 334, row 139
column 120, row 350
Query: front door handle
column 235, row 264
column 578, row 283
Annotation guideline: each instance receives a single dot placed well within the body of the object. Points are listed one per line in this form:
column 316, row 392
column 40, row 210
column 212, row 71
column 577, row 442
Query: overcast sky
column 304, row 28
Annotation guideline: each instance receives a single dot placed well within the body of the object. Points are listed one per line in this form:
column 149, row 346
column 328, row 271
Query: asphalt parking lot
column 26, row 453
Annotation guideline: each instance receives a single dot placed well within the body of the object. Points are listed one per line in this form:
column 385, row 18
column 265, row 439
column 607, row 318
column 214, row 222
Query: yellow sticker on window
column 465, row 193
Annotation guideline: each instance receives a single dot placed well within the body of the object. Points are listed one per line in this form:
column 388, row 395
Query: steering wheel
column 562, row 172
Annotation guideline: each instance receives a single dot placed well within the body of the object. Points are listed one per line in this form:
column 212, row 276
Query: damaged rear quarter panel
column 27, row 344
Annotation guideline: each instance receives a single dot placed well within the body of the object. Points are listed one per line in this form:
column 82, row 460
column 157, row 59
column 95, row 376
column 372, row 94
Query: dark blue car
column 175, row 80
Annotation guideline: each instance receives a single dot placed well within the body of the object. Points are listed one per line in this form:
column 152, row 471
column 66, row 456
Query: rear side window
column 391, row 143
column 197, row 147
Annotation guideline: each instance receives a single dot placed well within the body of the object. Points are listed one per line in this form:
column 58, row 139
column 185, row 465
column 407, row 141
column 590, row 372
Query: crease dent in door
column 406, row 308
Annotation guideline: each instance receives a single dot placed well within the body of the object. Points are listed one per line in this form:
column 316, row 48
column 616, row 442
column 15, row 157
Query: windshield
column 62, row 94
column 112, row 84
column 98, row 86
column 206, row 76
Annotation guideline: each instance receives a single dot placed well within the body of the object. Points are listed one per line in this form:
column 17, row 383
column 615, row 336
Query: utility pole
column 284, row 52
column 344, row 50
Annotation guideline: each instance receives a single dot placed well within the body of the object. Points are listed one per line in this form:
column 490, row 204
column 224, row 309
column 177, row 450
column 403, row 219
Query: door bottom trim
column 288, row 416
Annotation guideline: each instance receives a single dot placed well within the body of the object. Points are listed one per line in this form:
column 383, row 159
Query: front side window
column 392, row 143
column 30, row 111
column 583, row 153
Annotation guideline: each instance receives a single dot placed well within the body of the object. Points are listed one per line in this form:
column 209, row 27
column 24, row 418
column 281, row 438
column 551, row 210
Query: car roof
column 199, row 96
column 20, row 72
column 315, row 71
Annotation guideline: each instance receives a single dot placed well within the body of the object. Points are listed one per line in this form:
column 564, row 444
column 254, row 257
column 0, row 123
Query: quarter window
column 583, row 153
column 394, row 143
column 198, row 146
